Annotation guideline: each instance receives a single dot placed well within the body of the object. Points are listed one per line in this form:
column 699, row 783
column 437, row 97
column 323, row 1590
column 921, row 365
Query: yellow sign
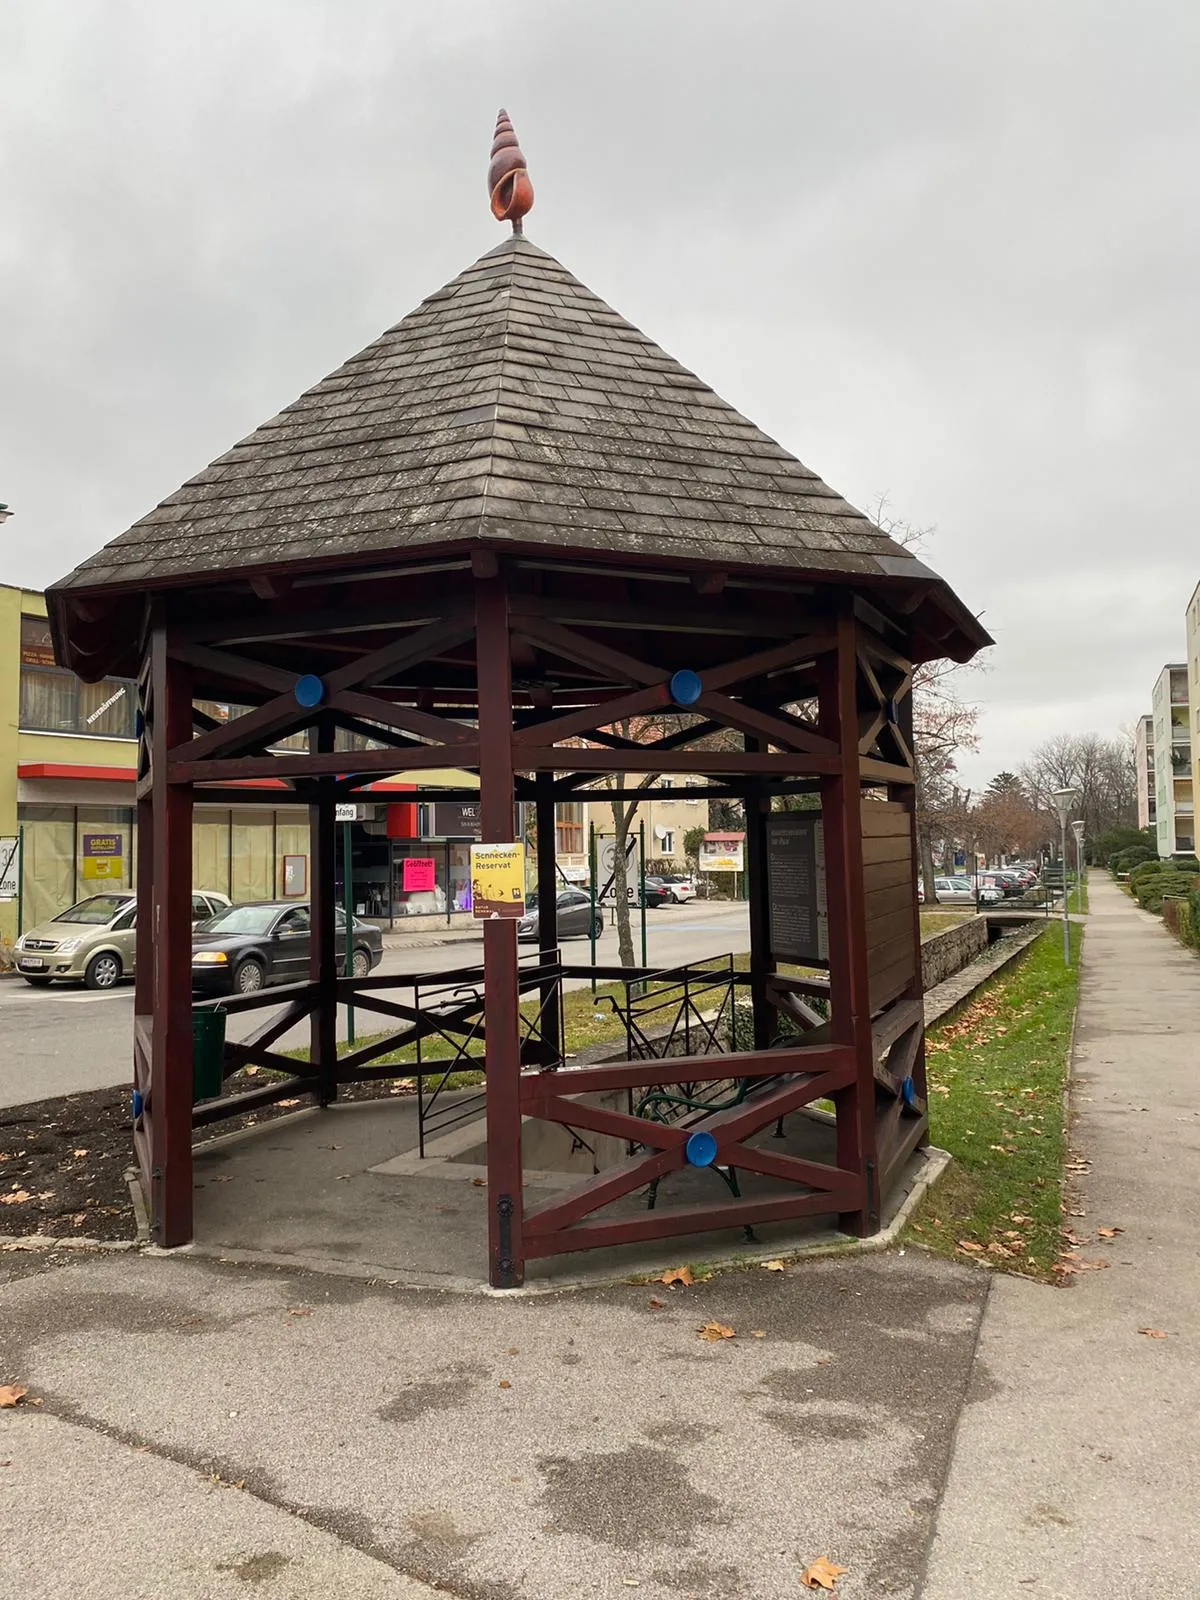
column 93, row 867
column 497, row 880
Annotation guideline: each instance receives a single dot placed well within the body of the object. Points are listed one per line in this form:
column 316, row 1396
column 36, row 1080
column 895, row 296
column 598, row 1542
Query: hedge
column 1152, row 891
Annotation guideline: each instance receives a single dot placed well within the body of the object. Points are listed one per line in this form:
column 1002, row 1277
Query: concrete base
column 344, row 1191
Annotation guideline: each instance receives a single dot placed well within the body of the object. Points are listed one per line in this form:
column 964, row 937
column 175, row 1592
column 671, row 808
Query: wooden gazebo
column 504, row 529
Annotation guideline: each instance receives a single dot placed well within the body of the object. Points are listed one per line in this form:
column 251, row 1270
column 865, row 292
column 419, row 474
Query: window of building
column 54, row 701
column 667, row 843
column 569, row 825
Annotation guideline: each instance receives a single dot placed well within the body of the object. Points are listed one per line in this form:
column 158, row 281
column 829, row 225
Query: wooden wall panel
column 892, row 952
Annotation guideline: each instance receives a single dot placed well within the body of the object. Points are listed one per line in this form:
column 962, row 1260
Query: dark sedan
column 576, row 916
column 248, row 947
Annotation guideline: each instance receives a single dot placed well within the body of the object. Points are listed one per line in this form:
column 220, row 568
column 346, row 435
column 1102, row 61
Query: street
column 67, row 1040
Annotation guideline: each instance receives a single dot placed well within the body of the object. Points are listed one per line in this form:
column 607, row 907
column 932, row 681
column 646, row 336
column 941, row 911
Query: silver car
column 95, row 940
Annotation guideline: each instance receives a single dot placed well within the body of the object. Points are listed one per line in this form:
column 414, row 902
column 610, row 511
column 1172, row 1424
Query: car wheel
column 102, row 971
column 37, row 983
column 361, row 964
column 249, row 977
column 596, row 929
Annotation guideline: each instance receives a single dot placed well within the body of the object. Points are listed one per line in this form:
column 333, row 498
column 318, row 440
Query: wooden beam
column 337, row 763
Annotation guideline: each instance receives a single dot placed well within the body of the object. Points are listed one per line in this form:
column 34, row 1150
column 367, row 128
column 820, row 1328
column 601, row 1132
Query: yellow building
column 1192, row 624
column 67, row 760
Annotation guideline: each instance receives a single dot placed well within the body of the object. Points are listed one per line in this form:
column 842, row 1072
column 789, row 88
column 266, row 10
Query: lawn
column 997, row 1069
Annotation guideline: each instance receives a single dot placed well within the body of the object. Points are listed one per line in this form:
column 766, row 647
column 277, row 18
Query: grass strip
column 997, row 1069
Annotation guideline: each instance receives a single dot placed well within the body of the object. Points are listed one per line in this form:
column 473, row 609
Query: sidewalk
column 1075, row 1470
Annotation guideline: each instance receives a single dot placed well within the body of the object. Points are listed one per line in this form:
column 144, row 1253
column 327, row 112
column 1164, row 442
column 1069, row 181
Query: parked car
column 577, row 917
column 682, row 889
column 958, row 891
column 245, row 948
column 95, row 940
column 658, row 894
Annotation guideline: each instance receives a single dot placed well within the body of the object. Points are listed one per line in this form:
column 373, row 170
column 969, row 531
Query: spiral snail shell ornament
column 509, row 185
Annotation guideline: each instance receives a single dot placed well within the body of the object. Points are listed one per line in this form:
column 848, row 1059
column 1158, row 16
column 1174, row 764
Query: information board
column 796, row 886
column 497, row 880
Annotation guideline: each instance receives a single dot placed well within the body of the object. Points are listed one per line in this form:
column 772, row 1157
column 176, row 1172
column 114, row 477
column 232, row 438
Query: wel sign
column 497, row 881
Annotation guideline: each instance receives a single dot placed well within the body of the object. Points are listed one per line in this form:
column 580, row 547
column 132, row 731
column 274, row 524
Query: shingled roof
column 511, row 407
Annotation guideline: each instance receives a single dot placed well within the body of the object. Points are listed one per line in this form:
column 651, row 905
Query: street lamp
column 1064, row 799
column 1077, row 830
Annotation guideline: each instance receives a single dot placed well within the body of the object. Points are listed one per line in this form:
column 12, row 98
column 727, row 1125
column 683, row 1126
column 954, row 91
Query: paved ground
column 553, row 1447
column 1076, row 1471
column 943, row 1433
column 66, row 1041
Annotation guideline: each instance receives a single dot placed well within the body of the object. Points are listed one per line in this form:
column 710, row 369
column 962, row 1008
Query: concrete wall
column 946, row 953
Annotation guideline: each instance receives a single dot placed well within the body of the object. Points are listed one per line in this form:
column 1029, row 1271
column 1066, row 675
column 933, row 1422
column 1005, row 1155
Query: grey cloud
column 946, row 252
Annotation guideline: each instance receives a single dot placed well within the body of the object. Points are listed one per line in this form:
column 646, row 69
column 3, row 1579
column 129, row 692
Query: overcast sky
column 946, row 251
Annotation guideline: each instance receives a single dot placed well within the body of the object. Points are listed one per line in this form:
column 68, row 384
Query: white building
column 1147, row 807
column 1174, row 813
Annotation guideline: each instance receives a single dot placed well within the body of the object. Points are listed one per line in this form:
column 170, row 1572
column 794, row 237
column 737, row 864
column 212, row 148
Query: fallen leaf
column 681, row 1275
column 11, row 1393
column 299, row 1311
column 1094, row 1266
column 969, row 1244
column 1108, row 1233
column 1151, row 1333
column 714, row 1331
column 477, row 1183
column 250, row 1072
column 284, row 1103
column 512, row 1351
column 15, row 1197
column 822, row 1574
column 774, row 1266
column 758, row 1333
column 79, row 1153
column 655, row 1305
column 504, row 1383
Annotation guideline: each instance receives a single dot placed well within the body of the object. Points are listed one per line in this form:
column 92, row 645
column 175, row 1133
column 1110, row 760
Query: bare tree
column 944, row 724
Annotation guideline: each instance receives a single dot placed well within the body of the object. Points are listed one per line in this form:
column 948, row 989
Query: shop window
column 55, row 701
column 569, row 824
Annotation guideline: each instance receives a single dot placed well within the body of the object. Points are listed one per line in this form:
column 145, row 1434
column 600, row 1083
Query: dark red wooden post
column 906, row 795
column 756, row 809
column 322, row 952
column 547, row 890
column 849, row 979
column 169, row 913
column 506, row 1254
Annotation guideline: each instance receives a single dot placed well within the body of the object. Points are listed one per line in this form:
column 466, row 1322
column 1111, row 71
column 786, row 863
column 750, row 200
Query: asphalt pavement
column 69, row 1040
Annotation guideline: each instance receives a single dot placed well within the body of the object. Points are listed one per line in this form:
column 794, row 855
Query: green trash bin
column 208, row 1052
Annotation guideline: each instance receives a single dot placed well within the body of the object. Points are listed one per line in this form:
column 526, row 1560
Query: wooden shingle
column 512, row 406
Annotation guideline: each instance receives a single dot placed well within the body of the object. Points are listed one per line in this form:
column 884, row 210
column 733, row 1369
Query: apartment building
column 1173, row 718
column 1143, row 745
column 1192, row 633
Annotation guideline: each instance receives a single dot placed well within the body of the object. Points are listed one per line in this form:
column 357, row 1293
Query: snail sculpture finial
column 509, row 186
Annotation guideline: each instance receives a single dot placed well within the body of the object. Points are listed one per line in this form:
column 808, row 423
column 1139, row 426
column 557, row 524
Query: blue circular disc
column 685, row 687
column 907, row 1092
column 309, row 690
column 701, row 1149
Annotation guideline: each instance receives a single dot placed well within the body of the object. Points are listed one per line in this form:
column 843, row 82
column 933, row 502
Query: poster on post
column 102, row 856
column 497, row 881
column 796, row 886
column 419, row 874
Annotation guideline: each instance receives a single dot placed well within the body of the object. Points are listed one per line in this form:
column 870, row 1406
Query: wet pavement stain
column 257, row 1569
column 417, row 1400
column 626, row 1498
